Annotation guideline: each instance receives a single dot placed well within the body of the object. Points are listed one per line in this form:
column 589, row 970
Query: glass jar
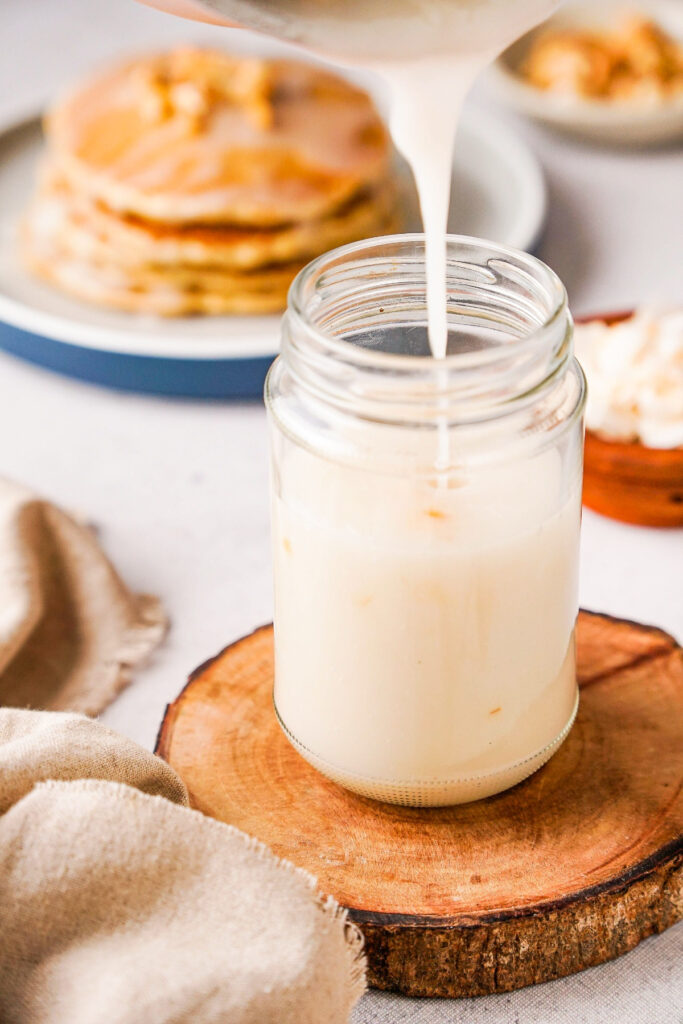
column 426, row 521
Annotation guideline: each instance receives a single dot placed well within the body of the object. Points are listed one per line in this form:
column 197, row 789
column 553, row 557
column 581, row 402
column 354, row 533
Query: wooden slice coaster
column 572, row 867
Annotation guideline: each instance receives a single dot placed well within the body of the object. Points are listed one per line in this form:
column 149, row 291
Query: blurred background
column 609, row 230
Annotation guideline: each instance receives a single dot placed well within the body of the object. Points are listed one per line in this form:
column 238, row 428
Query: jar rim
column 379, row 359
column 508, row 308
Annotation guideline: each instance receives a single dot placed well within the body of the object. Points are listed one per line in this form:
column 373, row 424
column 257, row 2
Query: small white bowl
column 603, row 120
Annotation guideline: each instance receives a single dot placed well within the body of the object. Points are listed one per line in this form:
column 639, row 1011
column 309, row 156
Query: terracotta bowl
column 629, row 481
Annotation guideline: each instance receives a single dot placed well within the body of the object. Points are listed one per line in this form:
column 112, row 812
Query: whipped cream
column 634, row 371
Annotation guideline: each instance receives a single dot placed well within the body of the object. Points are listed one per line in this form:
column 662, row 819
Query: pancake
column 197, row 136
column 174, row 290
column 93, row 231
column 196, row 182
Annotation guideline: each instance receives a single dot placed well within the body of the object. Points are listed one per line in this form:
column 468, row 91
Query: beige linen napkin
column 70, row 631
column 120, row 905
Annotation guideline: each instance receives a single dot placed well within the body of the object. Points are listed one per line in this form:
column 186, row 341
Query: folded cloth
column 70, row 631
column 120, row 905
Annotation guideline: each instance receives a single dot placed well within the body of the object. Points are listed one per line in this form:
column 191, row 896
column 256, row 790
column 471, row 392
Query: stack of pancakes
column 196, row 182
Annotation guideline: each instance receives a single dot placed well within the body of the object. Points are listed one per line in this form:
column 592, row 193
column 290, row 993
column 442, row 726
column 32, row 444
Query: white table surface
column 178, row 489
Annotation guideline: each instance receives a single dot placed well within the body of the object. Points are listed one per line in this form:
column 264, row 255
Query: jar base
column 434, row 792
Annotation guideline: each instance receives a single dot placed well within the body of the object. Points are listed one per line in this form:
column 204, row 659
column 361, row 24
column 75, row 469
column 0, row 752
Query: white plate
column 621, row 123
column 498, row 194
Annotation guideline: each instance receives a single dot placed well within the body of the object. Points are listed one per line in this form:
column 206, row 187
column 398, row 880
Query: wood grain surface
column 632, row 483
column 573, row 867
